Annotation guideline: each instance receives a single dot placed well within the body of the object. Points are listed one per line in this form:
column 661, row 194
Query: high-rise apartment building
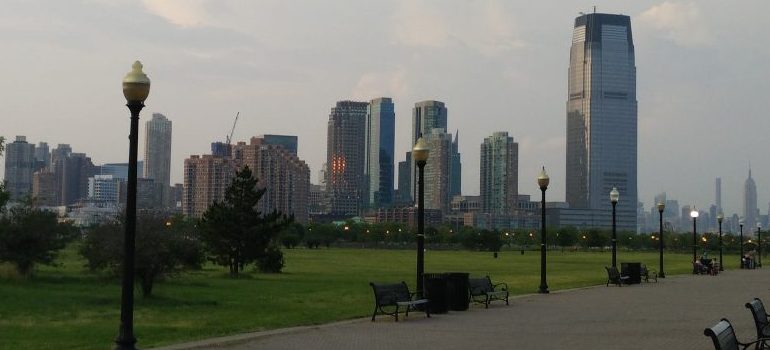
column 104, row 188
column 44, row 188
column 345, row 157
column 455, row 185
column 426, row 117
column 499, row 174
column 157, row 154
column 19, row 166
column 285, row 177
column 380, row 136
column 404, row 193
column 438, row 171
column 205, row 179
column 750, row 203
column 602, row 117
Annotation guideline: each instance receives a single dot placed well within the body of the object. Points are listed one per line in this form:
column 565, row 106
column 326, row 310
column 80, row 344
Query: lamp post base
column 662, row 275
column 543, row 289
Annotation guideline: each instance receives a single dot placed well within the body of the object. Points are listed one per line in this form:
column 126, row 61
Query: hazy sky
column 702, row 74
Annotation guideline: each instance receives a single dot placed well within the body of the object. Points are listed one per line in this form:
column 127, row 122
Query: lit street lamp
column 661, row 208
column 542, row 182
column 694, row 215
column 136, row 87
column 420, row 153
column 720, row 217
column 614, row 196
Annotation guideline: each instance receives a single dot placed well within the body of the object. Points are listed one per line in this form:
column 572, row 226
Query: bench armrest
column 503, row 284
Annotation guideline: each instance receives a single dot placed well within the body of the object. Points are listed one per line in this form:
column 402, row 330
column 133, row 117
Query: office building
column 42, row 156
column 75, row 171
column 602, row 117
column 345, row 157
column 380, row 134
column 438, row 171
column 44, row 188
column 104, row 188
column 157, row 154
column 19, row 166
column 499, row 174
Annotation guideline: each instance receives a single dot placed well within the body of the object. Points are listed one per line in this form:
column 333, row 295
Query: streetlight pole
column 420, row 153
column 741, row 242
column 759, row 245
column 694, row 215
column 661, row 208
column 542, row 182
column 136, row 87
column 614, row 196
column 720, row 217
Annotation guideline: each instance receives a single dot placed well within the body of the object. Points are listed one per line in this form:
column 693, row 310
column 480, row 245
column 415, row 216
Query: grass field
column 68, row 308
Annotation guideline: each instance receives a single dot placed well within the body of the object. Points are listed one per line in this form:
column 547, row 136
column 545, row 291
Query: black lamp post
column 136, row 87
column 720, row 217
column 420, row 153
column 542, row 181
column 614, row 196
column 661, row 208
column 741, row 242
column 759, row 245
column 694, row 215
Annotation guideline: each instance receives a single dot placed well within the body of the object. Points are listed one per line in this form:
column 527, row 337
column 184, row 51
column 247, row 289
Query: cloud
column 377, row 84
column 487, row 27
column 184, row 13
column 680, row 22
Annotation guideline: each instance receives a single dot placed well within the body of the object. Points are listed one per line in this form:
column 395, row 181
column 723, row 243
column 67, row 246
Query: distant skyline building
column 288, row 142
column 19, row 166
column 718, row 185
column 602, row 117
column 104, row 188
column 438, row 170
column 157, row 154
column 750, row 212
column 380, row 135
column 76, row 169
column 44, row 188
column 285, row 177
column 426, row 116
column 499, row 174
column 205, row 179
column 455, row 185
column 42, row 156
column 345, row 157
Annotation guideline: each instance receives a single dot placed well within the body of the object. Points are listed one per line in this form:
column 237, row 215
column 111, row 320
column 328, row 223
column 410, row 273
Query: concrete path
column 670, row 314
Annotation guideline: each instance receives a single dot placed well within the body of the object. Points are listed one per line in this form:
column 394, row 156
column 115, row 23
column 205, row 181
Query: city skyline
column 204, row 67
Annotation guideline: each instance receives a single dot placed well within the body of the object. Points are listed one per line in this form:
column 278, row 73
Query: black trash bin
column 458, row 290
column 633, row 270
column 436, row 291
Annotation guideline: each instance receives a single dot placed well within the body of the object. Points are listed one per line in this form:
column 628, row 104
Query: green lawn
column 67, row 308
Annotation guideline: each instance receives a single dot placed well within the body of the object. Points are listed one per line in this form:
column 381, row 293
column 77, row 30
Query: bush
column 271, row 261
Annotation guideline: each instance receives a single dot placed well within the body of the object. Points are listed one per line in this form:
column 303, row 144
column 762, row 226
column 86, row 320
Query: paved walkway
column 668, row 315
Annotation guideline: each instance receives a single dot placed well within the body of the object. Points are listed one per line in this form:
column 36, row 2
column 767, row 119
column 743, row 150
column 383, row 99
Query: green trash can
column 436, row 291
column 457, row 285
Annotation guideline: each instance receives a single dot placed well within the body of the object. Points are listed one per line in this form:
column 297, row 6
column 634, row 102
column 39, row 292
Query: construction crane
column 230, row 137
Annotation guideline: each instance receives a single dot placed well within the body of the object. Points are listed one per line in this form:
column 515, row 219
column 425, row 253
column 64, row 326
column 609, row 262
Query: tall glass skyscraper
column 427, row 116
column 345, row 157
column 750, row 203
column 380, row 142
column 602, row 116
column 157, row 154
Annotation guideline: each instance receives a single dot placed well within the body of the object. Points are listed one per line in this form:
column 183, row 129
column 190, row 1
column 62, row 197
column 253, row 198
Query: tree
column 30, row 236
column 234, row 232
column 164, row 247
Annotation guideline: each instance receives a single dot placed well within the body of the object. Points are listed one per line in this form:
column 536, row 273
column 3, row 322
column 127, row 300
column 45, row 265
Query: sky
column 499, row 65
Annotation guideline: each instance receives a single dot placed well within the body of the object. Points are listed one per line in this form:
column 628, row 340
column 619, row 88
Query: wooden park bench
column 648, row 275
column 723, row 336
column 483, row 291
column 614, row 276
column 389, row 299
column 761, row 321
